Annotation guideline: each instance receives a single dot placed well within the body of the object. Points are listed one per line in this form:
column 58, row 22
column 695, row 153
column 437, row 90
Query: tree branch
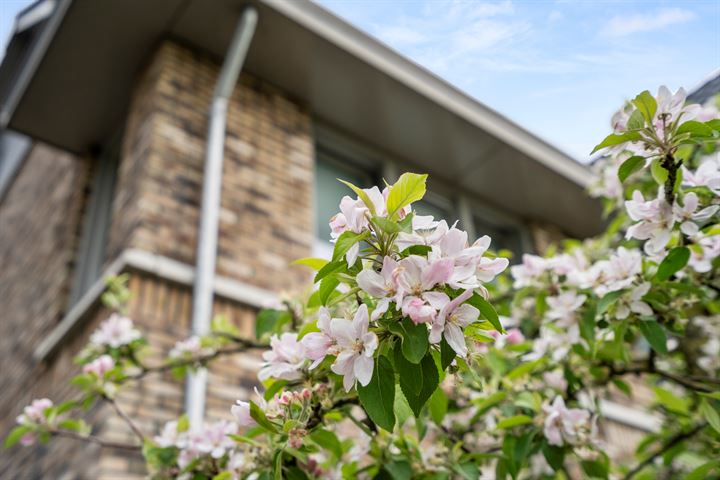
column 672, row 441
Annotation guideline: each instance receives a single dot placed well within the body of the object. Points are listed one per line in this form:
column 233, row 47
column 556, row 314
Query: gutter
column 210, row 206
column 32, row 15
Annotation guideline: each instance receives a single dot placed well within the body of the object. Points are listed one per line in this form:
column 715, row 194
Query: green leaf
column 417, row 382
column 269, row 321
column 695, row 129
column 438, row 405
column 411, row 378
column 587, row 324
column 387, row 225
column 647, row 105
column 715, row 395
column 555, row 456
column 659, row 173
column 595, row 468
column 714, row 124
column 345, row 241
column 447, row 354
column 487, row 403
column 409, row 188
column 654, row 334
column 523, row 369
column 676, row 259
column 636, row 120
column 630, row 166
column 314, row 263
column 710, row 414
column 378, row 396
column 671, row 401
column 277, row 465
column 398, row 470
column 615, row 139
column 513, row 421
column 259, row 416
column 330, row 267
column 327, row 440
column 16, row 434
column 414, row 339
column 73, row 424
column 362, row 195
column 327, row 287
column 607, row 301
column 701, row 472
column 487, row 311
column 274, row 388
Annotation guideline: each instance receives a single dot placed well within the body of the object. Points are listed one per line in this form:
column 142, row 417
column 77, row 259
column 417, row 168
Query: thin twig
column 95, row 440
column 124, row 416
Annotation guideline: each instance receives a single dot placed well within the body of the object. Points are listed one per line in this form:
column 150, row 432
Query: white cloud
column 623, row 25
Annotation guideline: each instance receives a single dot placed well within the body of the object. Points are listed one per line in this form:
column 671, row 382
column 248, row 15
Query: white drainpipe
column 210, row 207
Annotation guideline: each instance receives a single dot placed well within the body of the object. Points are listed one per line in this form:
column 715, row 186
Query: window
column 91, row 251
column 13, row 148
column 330, row 166
column 505, row 236
column 341, row 157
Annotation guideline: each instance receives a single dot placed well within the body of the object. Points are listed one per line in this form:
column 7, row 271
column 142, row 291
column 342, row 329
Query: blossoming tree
column 418, row 356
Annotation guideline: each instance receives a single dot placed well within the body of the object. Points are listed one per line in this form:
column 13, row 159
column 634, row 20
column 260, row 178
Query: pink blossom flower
column 418, row 310
column 241, row 412
column 563, row 307
column 425, row 231
column 415, row 275
column 99, row 366
column 687, row 214
column 379, row 285
column 284, row 360
column 514, row 336
column 554, row 344
column 564, row 425
column 356, row 348
column 34, row 414
column 655, row 222
column 115, row 332
column 527, row 273
column 453, row 317
column 706, row 175
column 555, row 380
column 191, row 347
column 212, row 439
column 706, row 250
column 319, row 344
column 169, row 436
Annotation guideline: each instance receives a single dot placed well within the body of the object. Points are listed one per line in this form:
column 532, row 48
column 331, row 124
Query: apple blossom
column 318, row 345
column 381, row 285
column 687, row 214
column 704, row 252
column 356, row 348
column 564, row 425
column 633, row 303
column 453, row 317
column 99, row 366
column 115, row 332
column 655, row 222
column 563, row 307
column 241, row 412
column 284, row 360
column 706, row 175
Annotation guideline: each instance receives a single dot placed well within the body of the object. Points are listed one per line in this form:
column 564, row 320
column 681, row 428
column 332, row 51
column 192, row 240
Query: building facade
column 74, row 211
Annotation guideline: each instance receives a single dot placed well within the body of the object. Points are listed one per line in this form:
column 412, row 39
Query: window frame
column 91, row 253
column 353, row 153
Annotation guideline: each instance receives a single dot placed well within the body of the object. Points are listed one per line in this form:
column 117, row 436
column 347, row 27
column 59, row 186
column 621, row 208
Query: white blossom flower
column 453, row 317
column 633, row 303
column 564, row 425
column 563, row 307
column 115, row 332
column 356, row 348
column 284, row 360
column 687, row 214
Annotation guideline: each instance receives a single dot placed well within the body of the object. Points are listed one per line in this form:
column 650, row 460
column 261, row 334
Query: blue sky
column 559, row 68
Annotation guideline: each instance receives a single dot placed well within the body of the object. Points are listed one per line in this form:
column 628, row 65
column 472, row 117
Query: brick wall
column 266, row 222
column 39, row 219
column 266, row 215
